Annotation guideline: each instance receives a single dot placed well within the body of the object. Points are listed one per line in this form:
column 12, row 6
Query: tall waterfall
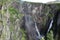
column 50, row 25
column 39, row 36
column 28, row 22
column 32, row 29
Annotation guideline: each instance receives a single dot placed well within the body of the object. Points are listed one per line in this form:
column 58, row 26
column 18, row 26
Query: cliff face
column 41, row 13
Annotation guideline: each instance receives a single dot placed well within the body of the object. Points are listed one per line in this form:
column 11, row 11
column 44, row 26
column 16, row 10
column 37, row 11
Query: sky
column 42, row 1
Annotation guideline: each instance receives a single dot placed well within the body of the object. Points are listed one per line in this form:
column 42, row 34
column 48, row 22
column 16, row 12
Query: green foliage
column 50, row 35
column 23, row 34
column 13, row 13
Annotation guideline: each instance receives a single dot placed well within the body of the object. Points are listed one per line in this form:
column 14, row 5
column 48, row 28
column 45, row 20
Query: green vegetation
column 50, row 35
column 24, row 37
column 10, row 17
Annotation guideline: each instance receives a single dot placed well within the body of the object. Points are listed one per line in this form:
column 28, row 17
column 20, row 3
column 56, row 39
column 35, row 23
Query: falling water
column 39, row 36
column 50, row 25
column 28, row 23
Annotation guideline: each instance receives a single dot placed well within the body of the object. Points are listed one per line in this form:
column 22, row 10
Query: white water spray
column 39, row 36
column 50, row 25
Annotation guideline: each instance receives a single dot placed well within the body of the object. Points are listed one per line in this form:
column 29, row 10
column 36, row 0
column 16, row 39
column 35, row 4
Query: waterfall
column 28, row 22
column 29, row 27
column 50, row 25
column 39, row 36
